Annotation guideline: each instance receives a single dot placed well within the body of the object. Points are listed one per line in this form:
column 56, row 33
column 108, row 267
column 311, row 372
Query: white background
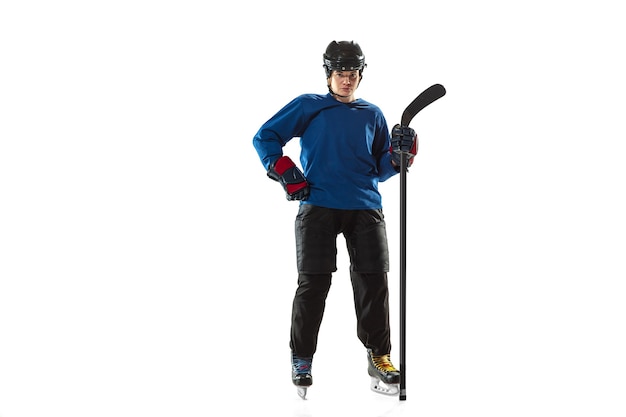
column 147, row 264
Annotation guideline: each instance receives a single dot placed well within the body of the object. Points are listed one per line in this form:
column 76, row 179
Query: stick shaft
column 403, row 171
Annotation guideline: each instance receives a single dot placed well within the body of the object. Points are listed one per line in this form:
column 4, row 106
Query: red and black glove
column 290, row 177
column 403, row 140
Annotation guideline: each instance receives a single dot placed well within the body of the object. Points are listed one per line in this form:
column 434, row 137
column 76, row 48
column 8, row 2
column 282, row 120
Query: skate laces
column 383, row 363
column 301, row 365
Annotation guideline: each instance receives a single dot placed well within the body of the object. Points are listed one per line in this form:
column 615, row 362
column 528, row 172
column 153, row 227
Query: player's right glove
column 290, row 177
column 403, row 139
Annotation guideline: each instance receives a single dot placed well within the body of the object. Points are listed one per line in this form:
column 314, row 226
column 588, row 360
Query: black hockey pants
column 316, row 230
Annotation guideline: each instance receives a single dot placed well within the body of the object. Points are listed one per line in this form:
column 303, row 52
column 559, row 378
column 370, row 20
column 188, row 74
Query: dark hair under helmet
column 343, row 56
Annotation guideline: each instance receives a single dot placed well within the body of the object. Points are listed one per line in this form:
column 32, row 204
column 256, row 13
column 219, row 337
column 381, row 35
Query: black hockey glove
column 403, row 139
column 290, row 177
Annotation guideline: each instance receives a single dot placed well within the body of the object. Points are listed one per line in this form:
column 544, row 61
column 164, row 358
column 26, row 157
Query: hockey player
column 345, row 151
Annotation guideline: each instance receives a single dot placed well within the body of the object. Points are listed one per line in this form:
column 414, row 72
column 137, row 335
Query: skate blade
column 381, row 387
column 302, row 392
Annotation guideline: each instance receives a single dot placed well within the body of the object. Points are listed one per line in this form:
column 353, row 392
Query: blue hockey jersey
column 344, row 149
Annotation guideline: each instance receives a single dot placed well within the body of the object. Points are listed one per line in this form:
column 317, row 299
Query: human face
column 344, row 84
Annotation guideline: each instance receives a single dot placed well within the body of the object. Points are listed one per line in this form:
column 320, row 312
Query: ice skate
column 301, row 374
column 385, row 377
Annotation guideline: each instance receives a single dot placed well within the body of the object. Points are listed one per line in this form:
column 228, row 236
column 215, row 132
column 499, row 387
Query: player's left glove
column 403, row 139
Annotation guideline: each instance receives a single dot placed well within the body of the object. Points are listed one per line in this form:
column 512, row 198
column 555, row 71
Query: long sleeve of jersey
column 344, row 148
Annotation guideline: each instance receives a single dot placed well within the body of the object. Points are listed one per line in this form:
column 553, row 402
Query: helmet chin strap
column 339, row 95
column 335, row 94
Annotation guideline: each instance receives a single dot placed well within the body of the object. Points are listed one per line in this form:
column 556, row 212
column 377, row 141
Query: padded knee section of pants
column 368, row 249
column 316, row 241
column 319, row 257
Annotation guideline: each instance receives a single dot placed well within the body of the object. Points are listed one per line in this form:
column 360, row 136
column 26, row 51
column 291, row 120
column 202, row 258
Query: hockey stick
column 426, row 97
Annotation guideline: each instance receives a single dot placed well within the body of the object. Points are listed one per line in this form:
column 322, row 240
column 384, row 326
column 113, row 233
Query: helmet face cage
column 343, row 56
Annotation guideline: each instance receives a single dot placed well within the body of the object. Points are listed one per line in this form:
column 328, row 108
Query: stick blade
column 426, row 97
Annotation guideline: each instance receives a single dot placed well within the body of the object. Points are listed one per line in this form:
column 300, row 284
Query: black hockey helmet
column 343, row 56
